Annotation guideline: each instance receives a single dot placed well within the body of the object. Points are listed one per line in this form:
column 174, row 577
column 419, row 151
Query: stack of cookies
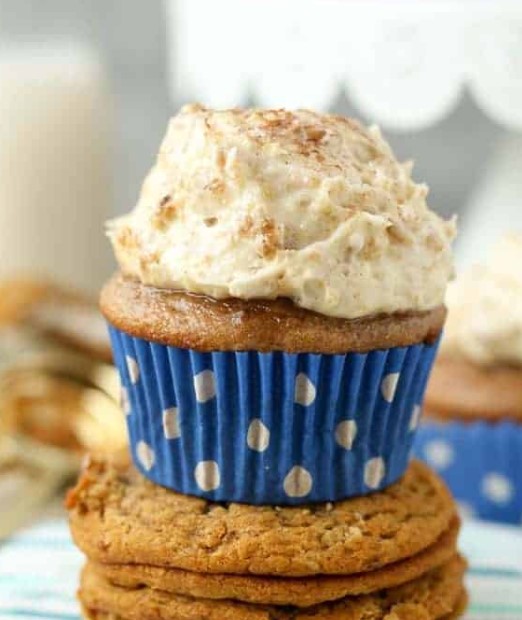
column 274, row 322
column 154, row 553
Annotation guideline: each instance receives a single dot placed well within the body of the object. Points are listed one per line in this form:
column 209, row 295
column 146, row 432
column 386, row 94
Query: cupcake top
column 485, row 309
column 261, row 204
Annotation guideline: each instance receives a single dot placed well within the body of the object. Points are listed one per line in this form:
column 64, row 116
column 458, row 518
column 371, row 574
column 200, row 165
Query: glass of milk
column 55, row 164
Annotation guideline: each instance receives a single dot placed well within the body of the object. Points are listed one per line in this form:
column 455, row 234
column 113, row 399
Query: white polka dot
column 415, row 417
column 465, row 510
column 125, row 401
column 389, row 386
column 298, row 482
column 133, row 368
column 345, row 433
column 497, row 488
column 171, row 423
column 207, row 475
column 439, row 454
column 305, row 391
column 145, row 455
column 205, row 386
column 374, row 472
column 258, row 436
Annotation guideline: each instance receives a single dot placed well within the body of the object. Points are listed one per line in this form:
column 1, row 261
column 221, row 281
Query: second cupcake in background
column 277, row 309
column 473, row 435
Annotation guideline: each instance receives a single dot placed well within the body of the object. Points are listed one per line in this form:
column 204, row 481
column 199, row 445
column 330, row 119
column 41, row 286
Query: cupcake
column 473, row 436
column 277, row 308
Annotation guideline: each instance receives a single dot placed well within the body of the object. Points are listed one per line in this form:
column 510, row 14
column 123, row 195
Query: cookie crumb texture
column 438, row 594
column 118, row 517
column 295, row 591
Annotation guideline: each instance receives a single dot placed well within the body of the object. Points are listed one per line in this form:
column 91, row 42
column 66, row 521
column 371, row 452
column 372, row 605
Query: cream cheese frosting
column 485, row 309
column 273, row 203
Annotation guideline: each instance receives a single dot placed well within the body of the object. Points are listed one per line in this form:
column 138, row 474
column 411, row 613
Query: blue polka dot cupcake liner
column 271, row 428
column 481, row 463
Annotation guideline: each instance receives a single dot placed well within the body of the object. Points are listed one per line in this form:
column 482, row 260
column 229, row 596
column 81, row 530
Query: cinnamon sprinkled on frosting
column 276, row 203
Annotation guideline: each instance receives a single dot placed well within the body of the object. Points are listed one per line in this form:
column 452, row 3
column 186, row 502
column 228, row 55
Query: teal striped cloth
column 495, row 575
column 39, row 573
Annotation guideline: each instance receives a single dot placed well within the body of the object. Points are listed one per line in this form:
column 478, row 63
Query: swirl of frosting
column 273, row 203
column 485, row 309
